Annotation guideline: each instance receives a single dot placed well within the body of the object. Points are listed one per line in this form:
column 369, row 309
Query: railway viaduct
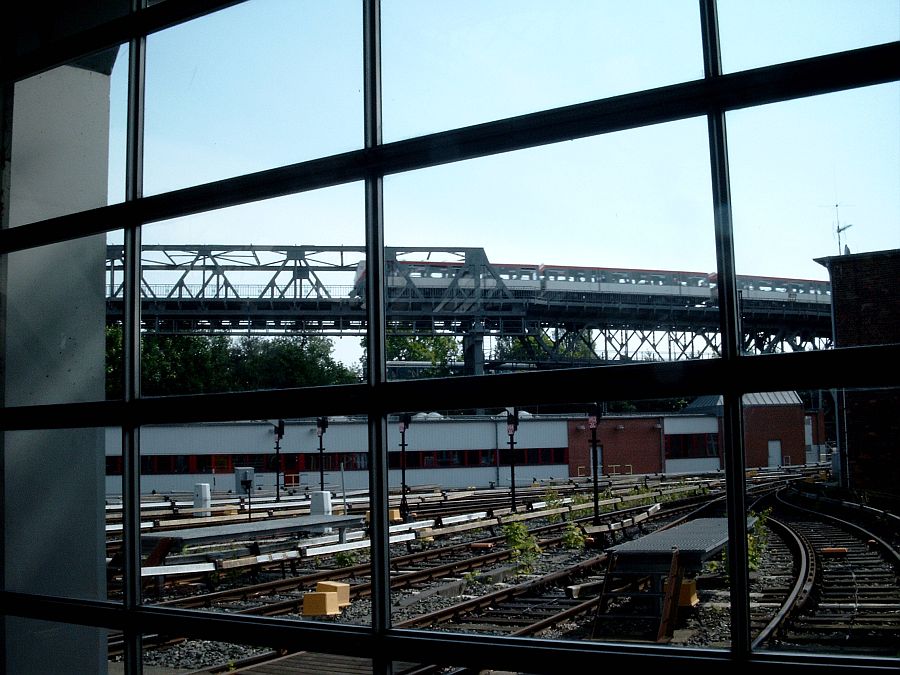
column 559, row 316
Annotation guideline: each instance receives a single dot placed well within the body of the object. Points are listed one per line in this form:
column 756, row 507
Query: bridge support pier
column 473, row 350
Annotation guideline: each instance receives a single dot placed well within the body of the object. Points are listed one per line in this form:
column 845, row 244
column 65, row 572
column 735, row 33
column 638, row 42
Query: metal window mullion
column 730, row 321
column 7, row 97
column 375, row 368
column 131, row 348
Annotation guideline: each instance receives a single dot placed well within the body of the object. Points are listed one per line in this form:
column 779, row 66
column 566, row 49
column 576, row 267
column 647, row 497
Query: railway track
column 523, row 609
column 846, row 597
column 269, row 598
column 528, row 608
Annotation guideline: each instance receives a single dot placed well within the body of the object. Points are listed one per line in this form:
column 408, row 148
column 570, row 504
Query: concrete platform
column 252, row 531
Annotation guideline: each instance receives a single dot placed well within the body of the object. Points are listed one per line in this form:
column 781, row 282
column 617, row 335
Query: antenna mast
column 838, row 228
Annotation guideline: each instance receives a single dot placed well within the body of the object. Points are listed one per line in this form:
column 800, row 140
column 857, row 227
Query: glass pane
column 837, row 449
column 766, row 32
column 68, row 142
column 259, row 296
column 232, row 509
column 803, row 174
column 32, row 644
column 33, row 29
column 448, row 65
column 565, row 255
column 203, row 656
column 252, row 87
column 55, row 545
column 507, row 505
column 54, row 303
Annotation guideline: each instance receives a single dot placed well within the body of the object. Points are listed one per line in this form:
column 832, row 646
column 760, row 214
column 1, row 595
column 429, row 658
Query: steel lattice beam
column 557, row 319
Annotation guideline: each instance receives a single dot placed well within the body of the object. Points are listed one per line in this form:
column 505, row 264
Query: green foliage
column 571, row 346
column 181, row 364
column 642, row 490
column 287, row 362
column 553, row 501
column 114, row 356
column 524, row 546
column 438, row 350
column 573, row 537
column 757, row 541
column 346, row 558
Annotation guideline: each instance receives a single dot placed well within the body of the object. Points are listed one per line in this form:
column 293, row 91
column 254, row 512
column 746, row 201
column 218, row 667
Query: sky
column 272, row 82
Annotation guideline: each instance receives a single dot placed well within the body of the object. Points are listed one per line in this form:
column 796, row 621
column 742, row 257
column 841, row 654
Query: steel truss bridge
column 533, row 314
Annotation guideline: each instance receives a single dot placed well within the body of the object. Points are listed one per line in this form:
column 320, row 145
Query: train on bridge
column 556, row 280
column 273, row 290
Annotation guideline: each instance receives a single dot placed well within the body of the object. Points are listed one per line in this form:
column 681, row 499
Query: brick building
column 778, row 431
column 866, row 311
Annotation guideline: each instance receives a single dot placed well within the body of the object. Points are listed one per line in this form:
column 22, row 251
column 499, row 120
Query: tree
column 570, row 347
column 191, row 364
column 114, row 356
column 294, row 361
column 438, row 350
column 185, row 364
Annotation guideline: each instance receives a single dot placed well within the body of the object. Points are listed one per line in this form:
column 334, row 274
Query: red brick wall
column 866, row 298
column 638, row 443
column 774, row 423
column 866, row 302
column 579, row 448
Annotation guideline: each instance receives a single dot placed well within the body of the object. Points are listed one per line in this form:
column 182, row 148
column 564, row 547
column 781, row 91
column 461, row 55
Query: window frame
column 732, row 376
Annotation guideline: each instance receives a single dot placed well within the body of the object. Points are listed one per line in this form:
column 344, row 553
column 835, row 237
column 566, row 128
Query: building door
column 774, row 453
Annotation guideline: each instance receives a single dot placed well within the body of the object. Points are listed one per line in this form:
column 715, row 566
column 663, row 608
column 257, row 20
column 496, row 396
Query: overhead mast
column 839, row 229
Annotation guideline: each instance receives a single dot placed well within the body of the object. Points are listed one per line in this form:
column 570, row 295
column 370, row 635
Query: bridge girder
column 274, row 290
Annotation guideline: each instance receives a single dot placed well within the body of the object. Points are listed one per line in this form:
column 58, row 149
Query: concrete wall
column 53, row 489
column 693, row 465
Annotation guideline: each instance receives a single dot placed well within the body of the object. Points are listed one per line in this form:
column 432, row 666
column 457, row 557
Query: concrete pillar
column 320, row 504
column 202, row 500
column 53, row 351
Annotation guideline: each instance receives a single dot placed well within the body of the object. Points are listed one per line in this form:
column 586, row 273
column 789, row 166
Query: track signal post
column 279, row 434
column 512, row 423
column 405, row 419
column 321, row 426
column 593, row 417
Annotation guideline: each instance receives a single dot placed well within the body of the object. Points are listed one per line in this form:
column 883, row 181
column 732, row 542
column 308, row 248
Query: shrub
column 573, row 537
column 524, row 547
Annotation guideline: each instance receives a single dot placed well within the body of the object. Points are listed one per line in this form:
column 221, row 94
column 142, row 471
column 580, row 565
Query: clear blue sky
column 271, row 82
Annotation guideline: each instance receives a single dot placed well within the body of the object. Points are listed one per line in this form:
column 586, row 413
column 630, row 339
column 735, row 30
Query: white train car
column 557, row 281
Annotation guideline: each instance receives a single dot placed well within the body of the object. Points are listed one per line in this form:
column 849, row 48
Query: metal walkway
column 697, row 541
column 310, row 663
